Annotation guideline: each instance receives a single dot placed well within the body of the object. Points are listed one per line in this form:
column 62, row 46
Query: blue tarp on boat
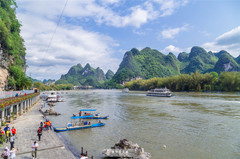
column 88, row 109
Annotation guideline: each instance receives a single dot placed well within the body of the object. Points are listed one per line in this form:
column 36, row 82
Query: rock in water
column 50, row 111
column 126, row 149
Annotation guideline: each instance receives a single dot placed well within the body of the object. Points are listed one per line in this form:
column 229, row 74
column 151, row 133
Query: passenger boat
column 159, row 92
column 52, row 97
column 125, row 90
column 87, row 115
column 79, row 124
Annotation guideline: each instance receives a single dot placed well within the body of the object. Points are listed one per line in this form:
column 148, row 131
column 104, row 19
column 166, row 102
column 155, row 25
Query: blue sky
column 99, row 32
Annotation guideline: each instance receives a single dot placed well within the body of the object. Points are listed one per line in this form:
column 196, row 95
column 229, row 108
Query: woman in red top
column 13, row 131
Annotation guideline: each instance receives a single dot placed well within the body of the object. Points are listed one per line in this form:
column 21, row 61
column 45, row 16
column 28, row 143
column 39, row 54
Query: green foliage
column 146, row 63
column 226, row 63
column 42, row 87
column 17, row 79
column 12, row 45
column 227, row 81
column 109, row 74
column 149, row 63
column 87, row 76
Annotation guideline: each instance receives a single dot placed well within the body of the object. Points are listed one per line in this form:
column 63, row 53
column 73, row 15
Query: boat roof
column 82, row 117
column 88, row 109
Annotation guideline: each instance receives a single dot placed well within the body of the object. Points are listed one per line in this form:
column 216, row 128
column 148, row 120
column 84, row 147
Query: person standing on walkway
column 6, row 128
column 14, row 131
column 34, row 149
column 5, row 153
column 1, row 136
column 12, row 138
column 13, row 153
column 39, row 133
column 7, row 135
column 41, row 125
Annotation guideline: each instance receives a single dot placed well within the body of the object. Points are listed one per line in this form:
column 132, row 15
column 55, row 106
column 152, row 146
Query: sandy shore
column 50, row 146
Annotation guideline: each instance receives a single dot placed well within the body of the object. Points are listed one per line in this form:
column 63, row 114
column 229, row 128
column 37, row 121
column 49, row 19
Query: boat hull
column 160, row 95
column 95, row 117
column 59, row 129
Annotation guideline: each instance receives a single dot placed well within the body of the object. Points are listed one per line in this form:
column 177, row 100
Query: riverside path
column 50, row 146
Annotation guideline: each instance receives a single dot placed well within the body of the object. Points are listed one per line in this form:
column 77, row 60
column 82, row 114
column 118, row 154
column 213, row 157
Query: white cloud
column 167, row 7
column 170, row 48
column 229, row 38
column 101, row 11
column 172, row 32
column 72, row 43
column 228, row 41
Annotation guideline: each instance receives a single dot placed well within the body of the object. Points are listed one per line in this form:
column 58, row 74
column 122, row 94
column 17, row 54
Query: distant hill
column 85, row 76
column 149, row 63
column 49, row 81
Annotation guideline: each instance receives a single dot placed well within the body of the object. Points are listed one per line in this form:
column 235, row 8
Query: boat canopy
column 88, row 110
column 82, row 117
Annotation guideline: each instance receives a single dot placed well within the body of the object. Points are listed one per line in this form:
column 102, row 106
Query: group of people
column 8, row 135
column 46, row 125
column 9, row 153
column 43, row 125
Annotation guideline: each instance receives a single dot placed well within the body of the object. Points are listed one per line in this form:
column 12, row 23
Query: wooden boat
column 78, row 125
column 91, row 116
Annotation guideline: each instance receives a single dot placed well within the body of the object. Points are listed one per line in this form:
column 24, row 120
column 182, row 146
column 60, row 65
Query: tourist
column 6, row 128
column 50, row 124
column 1, row 136
column 39, row 133
column 13, row 131
column 46, row 124
column 5, row 153
column 34, row 149
column 41, row 125
column 80, row 113
column 12, row 153
column 7, row 135
column 12, row 138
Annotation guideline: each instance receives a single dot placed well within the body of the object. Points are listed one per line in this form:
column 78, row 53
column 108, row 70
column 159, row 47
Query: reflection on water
column 192, row 125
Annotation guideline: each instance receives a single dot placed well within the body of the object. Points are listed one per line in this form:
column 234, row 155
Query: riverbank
column 50, row 146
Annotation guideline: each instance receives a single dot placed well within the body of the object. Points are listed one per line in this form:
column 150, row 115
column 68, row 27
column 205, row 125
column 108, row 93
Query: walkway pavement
column 50, row 146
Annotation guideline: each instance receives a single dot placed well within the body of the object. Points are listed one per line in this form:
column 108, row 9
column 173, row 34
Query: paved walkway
column 50, row 146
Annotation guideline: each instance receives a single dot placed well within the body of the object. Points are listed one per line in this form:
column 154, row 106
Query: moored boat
column 159, row 92
column 70, row 127
column 78, row 125
column 125, row 90
column 91, row 115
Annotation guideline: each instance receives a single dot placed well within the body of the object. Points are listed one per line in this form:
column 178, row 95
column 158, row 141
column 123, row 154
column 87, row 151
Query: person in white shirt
column 13, row 153
column 34, row 149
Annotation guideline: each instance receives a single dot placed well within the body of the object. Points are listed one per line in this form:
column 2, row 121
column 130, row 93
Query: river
column 191, row 125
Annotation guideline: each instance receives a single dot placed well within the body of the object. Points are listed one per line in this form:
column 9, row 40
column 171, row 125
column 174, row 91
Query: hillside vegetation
column 149, row 63
column 11, row 46
column 85, row 76
column 226, row 81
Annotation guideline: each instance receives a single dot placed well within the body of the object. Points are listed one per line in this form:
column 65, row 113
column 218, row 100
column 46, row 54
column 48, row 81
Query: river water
column 191, row 125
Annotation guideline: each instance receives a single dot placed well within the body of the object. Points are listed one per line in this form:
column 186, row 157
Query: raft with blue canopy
column 71, row 126
column 91, row 116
